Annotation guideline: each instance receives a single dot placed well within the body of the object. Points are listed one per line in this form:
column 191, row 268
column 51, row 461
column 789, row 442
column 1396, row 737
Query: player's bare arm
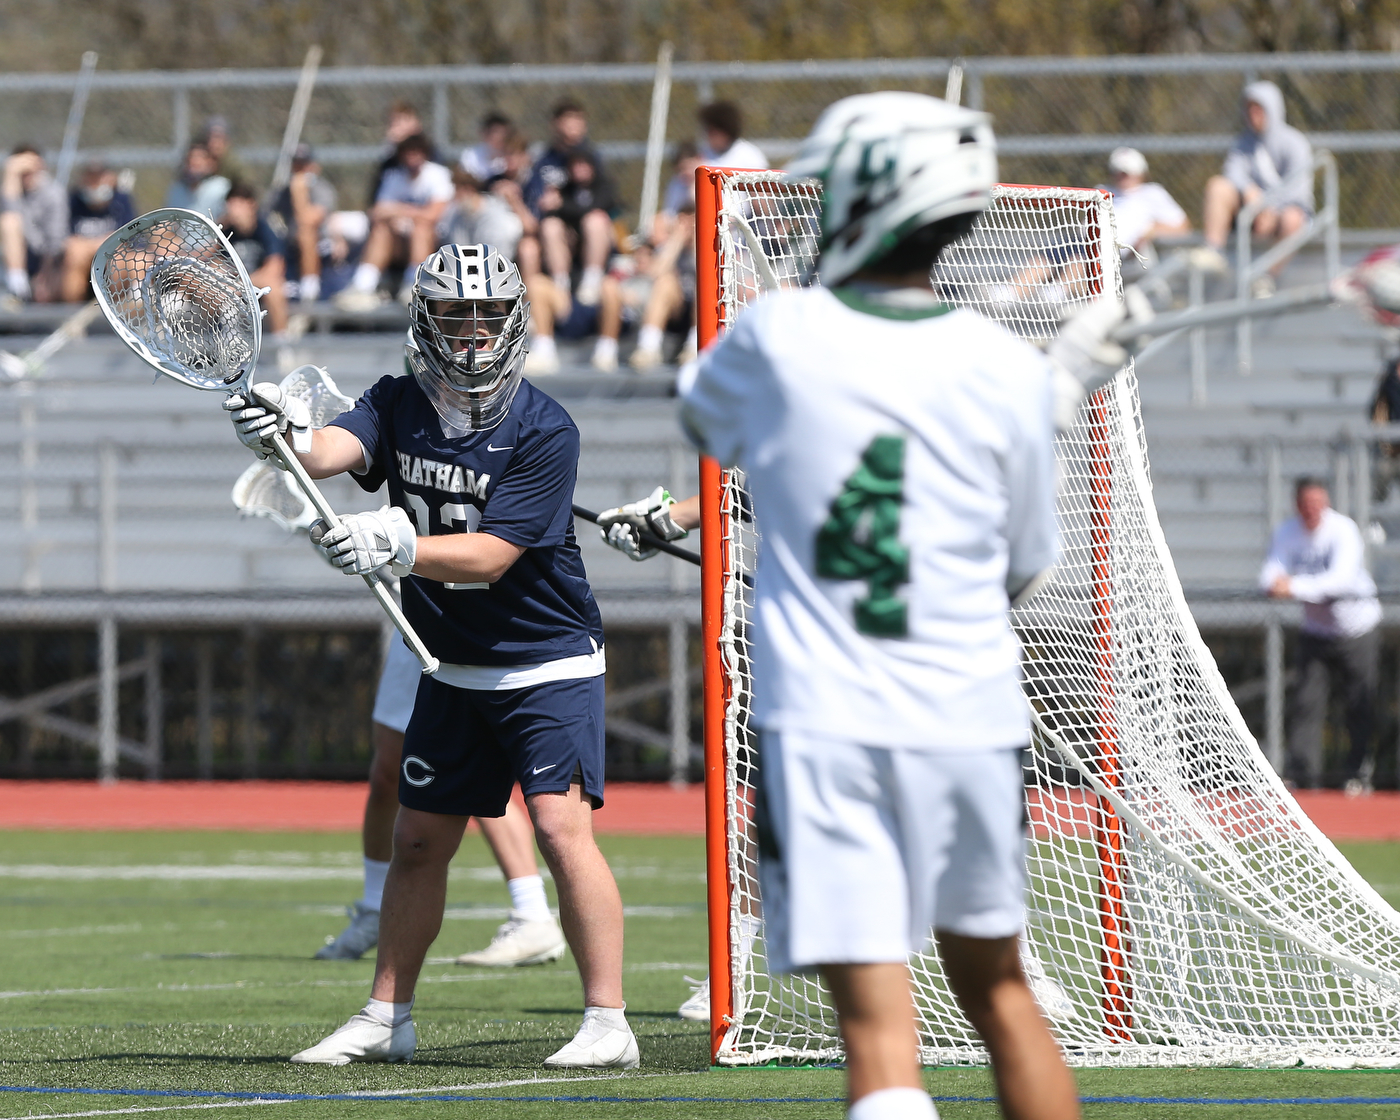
column 465, row 558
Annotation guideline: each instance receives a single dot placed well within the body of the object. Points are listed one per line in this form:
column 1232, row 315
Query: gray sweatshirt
column 1280, row 156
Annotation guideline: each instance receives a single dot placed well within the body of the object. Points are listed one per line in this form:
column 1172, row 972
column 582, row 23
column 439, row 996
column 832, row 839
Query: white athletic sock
column 613, row 1017
column 310, row 289
column 527, row 898
column 650, row 337
column 605, row 348
column 375, row 871
column 366, row 278
column 390, row 1014
column 543, row 345
column 17, row 280
column 591, row 275
column 561, row 281
column 893, row 1104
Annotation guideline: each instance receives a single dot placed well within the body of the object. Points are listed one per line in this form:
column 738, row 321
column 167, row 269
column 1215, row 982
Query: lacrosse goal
column 1182, row 910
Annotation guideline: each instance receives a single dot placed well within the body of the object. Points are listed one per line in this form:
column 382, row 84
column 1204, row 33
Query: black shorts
column 464, row 749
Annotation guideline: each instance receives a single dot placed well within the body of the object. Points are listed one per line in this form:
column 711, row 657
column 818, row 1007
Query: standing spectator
column 216, row 139
column 476, row 218
column 33, row 225
column 301, row 208
column 1142, row 211
column 403, row 229
column 487, row 158
column 260, row 249
column 199, row 186
column 96, row 208
column 1269, row 158
column 1318, row 559
column 722, row 125
column 550, row 176
column 404, row 121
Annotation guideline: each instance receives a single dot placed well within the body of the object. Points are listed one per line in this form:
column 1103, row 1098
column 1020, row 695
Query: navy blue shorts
column 581, row 321
column 464, row 750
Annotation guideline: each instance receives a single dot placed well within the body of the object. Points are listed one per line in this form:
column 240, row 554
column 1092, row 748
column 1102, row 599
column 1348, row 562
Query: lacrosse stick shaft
column 308, row 486
column 647, row 539
column 1227, row 311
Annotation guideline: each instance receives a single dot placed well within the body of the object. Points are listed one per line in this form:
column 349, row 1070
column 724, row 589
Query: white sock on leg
column 605, row 349
column 375, row 872
column 390, row 1014
column 366, row 278
column 543, row 345
column 893, row 1104
column 527, row 898
column 310, row 288
column 649, row 337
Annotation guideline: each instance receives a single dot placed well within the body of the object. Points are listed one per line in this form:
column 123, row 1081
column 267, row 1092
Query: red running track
column 632, row 807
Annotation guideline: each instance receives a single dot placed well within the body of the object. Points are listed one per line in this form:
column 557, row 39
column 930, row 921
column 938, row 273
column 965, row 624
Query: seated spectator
column 199, row 185
column 680, row 191
column 554, row 311
column 722, row 125
column 262, row 252
column 487, row 158
column 509, row 187
column 215, row 138
column 1142, row 211
column 96, row 208
column 1269, row 159
column 474, row 217
column 587, row 240
column 33, row 226
column 301, row 209
column 403, row 229
column 404, row 121
column 659, row 292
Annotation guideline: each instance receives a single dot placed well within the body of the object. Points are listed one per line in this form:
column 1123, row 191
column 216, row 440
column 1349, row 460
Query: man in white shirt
column 1318, row 559
column 723, row 124
column 1142, row 211
column 412, row 197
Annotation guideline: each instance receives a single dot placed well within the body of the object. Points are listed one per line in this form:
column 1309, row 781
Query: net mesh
column 172, row 289
column 1182, row 910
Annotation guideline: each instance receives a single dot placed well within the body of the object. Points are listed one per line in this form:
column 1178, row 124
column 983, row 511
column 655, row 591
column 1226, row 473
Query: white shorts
column 864, row 850
column 398, row 685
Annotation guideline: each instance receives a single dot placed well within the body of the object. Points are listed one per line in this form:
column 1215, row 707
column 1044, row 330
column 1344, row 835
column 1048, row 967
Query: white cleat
column 697, row 1007
column 356, row 939
column 520, row 942
column 362, row 1039
column 598, row 1045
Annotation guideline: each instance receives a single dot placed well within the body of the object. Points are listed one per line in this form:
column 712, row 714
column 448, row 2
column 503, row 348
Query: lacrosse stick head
column 1374, row 286
column 313, row 386
column 176, row 293
column 265, row 491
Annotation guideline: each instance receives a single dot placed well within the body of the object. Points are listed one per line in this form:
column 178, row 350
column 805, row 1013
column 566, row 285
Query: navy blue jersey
column 517, row 483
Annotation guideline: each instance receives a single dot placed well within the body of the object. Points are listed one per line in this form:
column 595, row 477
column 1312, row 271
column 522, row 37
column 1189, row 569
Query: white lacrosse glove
column 623, row 526
column 268, row 410
column 1085, row 357
column 369, row 541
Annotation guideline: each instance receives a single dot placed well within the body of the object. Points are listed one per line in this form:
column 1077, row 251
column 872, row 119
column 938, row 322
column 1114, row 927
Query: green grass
column 190, row 983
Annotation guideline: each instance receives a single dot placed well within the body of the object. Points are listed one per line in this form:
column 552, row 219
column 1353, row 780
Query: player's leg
column 985, row 976
column 1222, row 203
column 876, row 1013
column 1308, row 709
column 531, row 935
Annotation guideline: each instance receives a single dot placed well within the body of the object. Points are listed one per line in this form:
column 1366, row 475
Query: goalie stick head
column 313, row 386
column 264, row 490
column 889, row 164
column 175, row 292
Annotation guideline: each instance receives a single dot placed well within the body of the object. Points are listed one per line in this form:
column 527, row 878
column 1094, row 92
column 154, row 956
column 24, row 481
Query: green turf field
column 167, row 973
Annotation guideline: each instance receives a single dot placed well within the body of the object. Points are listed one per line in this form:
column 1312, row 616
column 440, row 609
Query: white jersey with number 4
column 901, row 465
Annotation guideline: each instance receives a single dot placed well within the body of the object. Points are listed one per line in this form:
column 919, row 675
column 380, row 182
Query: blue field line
column 409, row 1096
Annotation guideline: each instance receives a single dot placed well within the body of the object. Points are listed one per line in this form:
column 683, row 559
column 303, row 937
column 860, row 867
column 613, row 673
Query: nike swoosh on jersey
column 542, row 769
column 510, row 448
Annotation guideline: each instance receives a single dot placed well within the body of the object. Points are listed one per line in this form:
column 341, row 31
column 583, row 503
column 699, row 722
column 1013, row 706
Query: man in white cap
column 1143, row 211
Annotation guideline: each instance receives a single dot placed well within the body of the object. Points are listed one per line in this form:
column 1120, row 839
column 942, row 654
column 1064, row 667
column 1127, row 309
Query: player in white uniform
column 899, row 455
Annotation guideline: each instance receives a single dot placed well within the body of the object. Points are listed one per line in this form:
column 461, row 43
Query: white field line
column 73, row 931
column 281, row 872
column 368, row 1094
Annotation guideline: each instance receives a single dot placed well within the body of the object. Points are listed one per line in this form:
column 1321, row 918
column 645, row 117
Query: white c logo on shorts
column 426, row 775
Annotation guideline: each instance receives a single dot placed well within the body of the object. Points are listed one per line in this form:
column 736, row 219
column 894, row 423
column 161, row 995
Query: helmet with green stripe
column 891, row 164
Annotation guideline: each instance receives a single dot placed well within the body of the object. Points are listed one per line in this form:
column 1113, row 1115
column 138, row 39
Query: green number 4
column 860, row 539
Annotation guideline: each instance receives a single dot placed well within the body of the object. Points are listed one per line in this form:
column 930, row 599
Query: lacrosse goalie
column 480, row 467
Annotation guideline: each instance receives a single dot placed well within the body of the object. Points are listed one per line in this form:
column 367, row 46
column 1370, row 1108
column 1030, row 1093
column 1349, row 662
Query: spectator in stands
column 1269, row 159
column 1142, row 211
column 1318, row 559
column 199, row 185
column 215, row 138
column 658, row 291
column 509, row 187
column 474, row 217
column 587, row 241
column 301, row 209
column 33, row 226
column 680, row 191
column 487, row 158
column 263, row 253
column 95, row 209
column 1385, row 409
column 412, row 197
column 404, row 121
column 722, row 125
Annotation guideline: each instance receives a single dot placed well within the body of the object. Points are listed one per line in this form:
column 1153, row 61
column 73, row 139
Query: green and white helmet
column 466, row 345
column 890, row 163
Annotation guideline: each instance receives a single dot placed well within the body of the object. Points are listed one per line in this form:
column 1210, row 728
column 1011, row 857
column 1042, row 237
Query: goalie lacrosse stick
column 647, row 539
column 177, row 294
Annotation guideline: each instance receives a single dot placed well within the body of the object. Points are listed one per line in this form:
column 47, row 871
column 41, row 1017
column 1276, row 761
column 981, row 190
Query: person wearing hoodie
column 1269, row 158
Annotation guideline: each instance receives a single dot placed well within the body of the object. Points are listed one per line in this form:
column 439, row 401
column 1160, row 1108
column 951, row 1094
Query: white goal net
column 1182, row 910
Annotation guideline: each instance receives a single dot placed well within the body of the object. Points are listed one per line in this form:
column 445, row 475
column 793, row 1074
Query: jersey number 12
column 860, row 539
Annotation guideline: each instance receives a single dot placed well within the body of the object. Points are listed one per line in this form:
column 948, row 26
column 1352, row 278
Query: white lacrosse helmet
column 890, row 163
column 466, row 345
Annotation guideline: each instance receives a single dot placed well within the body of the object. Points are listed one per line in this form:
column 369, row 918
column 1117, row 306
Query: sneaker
column 590, row 291
column 604, row 361
column 644, row 359
column 356, row 302
column 697, row 1007
column 356, row 939
column 1263, row 287
column 1358, row 787
column 597, row 1046
column 1208, row 259
column 362, row 1039
column 537, row 364
column 520, row 942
